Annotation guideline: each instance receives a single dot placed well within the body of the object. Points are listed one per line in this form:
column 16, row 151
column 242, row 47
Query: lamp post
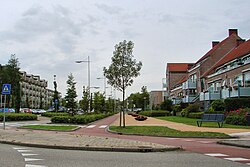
column 104, row 88
column 88, row 61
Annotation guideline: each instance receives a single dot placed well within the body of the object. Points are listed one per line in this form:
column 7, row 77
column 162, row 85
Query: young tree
column 71, row 94
column 122, row 70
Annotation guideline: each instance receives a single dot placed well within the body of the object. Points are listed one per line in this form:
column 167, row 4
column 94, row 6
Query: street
column 16, row 156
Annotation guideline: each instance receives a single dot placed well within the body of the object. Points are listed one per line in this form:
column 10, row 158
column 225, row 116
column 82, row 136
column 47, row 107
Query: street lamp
column 104, row 89
column 88, row 61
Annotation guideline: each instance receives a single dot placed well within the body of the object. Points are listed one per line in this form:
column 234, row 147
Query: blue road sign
column 6, row 88
column 56, row 101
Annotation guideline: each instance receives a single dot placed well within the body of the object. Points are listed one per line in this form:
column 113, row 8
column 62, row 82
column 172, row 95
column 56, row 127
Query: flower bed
column 140, row 118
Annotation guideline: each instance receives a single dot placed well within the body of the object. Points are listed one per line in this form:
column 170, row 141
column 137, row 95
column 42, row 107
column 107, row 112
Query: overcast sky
column 48, row 36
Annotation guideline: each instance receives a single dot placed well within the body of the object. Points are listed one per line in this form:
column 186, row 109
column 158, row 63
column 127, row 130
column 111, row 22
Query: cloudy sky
column 48, row 36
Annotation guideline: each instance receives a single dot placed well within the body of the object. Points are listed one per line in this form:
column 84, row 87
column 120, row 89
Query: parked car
column 38, row 111
column 7, row 110
column 25, row 110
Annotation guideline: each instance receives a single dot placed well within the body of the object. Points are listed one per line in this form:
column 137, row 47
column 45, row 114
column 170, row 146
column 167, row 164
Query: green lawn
column 50, row 127
column 163, row 131
column 192, row 121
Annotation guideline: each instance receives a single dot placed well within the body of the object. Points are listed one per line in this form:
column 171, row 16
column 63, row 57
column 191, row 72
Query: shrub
column 218, row 105
column 52, row 114
column 237, row 117
column 18, row 117
column 184, row 112
column 158, row 113
column 79, row 119
column 176, row 109
column 193, row 108
column 236, row 103
column 195, row 115
column 166, row 105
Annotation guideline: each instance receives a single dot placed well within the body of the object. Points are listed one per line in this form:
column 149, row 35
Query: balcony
column 189, row 84
column 188, row 98
column 176, row 101
column 207, row 96
column 235, row 92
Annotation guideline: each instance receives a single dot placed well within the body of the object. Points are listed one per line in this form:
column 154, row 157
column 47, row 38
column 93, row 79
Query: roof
column 238, row 52
column 178, row 67
column 216, row 47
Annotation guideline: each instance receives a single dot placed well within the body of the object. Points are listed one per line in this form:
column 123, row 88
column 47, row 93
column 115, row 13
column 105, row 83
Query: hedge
column 155, row 113
column 78, row 119
column 18, row 117
column 53, row 114
column 236, row 103
column 195, row 115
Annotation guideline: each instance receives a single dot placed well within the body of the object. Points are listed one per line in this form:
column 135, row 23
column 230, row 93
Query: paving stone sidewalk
column 61, row 140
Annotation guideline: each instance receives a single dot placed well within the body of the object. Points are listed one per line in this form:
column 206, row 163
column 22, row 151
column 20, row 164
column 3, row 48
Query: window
column 247, row 79
column 238, row 80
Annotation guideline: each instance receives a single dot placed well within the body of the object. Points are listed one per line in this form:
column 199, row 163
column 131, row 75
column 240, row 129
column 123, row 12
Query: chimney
column 240, row 41
column 214, row 43
column 233, row 31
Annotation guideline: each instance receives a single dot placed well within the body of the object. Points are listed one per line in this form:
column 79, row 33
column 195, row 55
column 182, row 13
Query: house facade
column 208, row 78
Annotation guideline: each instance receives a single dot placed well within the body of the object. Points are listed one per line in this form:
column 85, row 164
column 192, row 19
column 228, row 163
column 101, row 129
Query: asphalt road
column 15, row 156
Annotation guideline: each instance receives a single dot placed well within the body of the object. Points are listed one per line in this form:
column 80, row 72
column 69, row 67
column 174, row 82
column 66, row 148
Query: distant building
column 156, row 98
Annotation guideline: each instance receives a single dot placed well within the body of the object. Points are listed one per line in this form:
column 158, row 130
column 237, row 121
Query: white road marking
column 23, row 151
column 19, row 148
column 103, row 126
column 32, row 159
column 29, row 165
column 188, row 140
column 217, row 155
column 248, row 163
column 205, row 142
column 28, row 154
column 90, row 126
column 237, row 159
column 172, row 138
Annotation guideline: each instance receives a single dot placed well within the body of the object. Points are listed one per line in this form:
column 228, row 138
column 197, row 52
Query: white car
column 38, row 111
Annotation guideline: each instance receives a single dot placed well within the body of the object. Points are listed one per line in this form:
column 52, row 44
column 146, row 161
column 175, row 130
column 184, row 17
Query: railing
column 214, row 95
column 189, row 84
column 235, row 92
column 188, row 98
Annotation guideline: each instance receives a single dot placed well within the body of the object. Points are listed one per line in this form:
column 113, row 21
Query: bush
column 166, row 105
column 78, row 119
column 237, row 117
column 18, row 117
column 193, row 108
column 195, row 115
column 52, row 114
column 218, row 105
column 154, row 113
column 184, row 112
column 236, row 103
column 176, row 109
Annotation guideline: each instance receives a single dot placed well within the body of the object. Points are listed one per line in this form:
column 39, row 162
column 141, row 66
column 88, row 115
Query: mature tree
column 56, row 95
column 10, row 74
column 71, row 95
column 122, row 70
column 139, row 100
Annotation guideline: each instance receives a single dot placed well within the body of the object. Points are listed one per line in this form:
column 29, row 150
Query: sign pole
column 4, row 112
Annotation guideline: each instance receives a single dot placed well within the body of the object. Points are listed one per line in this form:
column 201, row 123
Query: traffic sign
column 6, row 88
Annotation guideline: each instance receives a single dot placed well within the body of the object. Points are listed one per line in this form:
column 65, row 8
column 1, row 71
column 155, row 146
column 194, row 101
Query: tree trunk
column 123, row 101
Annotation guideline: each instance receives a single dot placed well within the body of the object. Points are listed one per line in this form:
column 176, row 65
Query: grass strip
column 50, row 127
column 163, row 131
column 192, row 121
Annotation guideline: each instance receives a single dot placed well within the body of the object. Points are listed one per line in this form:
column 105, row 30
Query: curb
column 78, row 127
column 233, row 144
column 86, row 148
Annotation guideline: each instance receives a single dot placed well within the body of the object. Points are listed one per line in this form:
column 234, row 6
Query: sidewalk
column 61, row 140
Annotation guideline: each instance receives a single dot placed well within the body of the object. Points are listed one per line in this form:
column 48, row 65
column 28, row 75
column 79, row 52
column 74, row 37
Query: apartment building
column 34, row 92
column 156, row 98
column 202, row 77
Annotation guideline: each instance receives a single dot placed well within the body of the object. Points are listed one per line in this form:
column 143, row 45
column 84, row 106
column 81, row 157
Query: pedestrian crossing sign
column 6, row 88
